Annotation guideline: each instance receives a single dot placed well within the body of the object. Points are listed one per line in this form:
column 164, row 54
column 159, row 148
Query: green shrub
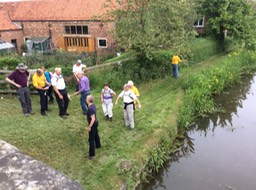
column 9, row 62
column 200, row 88
column 201, row 49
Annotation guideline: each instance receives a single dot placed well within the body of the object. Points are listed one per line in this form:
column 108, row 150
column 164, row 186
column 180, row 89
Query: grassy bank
column 63, row 145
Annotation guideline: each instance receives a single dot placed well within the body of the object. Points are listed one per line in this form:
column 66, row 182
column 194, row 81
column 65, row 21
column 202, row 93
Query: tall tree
column 233, row 17
column 146, row 25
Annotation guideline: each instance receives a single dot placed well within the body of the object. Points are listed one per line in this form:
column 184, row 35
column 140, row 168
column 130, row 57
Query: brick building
column 72, row 25
column 9, row 31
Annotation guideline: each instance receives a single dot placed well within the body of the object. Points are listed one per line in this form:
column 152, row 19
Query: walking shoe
column 26, row 114
column 32, row 113
column 67, row 114
column 89, row 157
column 107, row 117
column 63, row 116
column 110, row 119
column 43, row 113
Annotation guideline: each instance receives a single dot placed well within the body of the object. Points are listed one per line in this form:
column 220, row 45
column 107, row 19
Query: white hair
column 90, row 98
column 130, row 82
column 57, row 69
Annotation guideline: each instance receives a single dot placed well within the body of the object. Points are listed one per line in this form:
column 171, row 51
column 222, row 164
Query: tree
column 144, row 26
column 233, row 17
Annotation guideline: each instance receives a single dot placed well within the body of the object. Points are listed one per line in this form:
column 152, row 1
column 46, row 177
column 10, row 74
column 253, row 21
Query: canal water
column 219, row 152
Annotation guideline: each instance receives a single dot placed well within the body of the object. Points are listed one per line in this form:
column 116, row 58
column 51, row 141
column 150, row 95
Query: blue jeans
column 83, row 101
column 175, row 70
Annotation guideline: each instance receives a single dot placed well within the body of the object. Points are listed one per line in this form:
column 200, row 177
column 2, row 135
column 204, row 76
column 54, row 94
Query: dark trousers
column 43, row 100
column 94, row 139
column 25, row 100
column 63, row 103
column 49, row 93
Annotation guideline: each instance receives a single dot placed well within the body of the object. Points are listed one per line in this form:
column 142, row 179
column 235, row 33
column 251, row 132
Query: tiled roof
column 6, row 23
column 54, row 10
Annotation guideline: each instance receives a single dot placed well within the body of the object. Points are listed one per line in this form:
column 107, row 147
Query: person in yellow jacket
column 39, row 82
column 134, row 89
column 175, row 61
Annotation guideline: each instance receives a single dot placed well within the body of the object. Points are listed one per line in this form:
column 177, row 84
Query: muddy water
column 222, row 153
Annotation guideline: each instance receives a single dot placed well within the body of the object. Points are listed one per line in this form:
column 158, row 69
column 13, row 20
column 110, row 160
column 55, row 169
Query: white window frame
column 99, row 42
column 198, row 25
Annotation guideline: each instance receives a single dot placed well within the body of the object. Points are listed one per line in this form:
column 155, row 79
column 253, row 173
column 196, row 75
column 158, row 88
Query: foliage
column 158, row 156
column 200, row 88
column 64, row 144
column 201, row 49
column 237, row 17
column 10, row 62
column 145, row 26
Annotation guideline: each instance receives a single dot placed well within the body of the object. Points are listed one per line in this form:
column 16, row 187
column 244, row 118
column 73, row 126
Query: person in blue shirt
column 48, row 77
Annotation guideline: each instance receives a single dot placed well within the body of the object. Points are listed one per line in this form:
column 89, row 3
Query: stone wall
column 19, row 171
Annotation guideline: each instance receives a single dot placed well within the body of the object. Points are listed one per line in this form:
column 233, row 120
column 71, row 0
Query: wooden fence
column 12, row 90
column 9, row 90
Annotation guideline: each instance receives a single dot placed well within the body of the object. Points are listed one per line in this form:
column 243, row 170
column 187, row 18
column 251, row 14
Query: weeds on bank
column 200, row 88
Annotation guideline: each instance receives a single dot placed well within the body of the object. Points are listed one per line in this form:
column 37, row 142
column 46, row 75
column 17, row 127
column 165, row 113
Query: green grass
column 63, row 144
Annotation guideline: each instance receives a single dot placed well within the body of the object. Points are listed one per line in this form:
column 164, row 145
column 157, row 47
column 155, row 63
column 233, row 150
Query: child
column 106, row 99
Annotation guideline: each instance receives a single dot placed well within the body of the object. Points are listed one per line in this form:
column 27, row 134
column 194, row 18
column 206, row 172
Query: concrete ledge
column 19, row 171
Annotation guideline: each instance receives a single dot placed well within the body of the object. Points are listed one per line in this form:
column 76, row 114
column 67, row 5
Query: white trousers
column 129, row 116
column 107, row 109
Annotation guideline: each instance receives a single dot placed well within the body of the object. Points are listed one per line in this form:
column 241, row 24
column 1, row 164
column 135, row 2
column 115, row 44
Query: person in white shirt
column 78, row 67
column 128, row 98
column 61, row 95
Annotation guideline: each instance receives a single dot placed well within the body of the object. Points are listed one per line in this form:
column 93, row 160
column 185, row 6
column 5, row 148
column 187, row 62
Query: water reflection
column 230, row 101
column 211, row 154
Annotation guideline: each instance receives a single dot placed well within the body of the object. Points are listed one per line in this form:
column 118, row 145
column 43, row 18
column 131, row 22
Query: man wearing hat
column 20, row 78
column 78, row 67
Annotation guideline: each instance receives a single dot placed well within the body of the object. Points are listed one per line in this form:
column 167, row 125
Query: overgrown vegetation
column 201, row 87
column 234, row 18
column 63, row 145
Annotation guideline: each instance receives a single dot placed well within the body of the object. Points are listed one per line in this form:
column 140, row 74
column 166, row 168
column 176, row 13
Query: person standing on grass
column 20, row 78
column 94, row 139
column 39, row 82
column 128, row 98
column 175, row 61
column 84, row 90
column 134, row 89
column 48, row 77
column 78, row 67
column 61, row 95
column 106, row 100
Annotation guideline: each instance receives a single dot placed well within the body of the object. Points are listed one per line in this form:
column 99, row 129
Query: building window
column 76, row 41
column 199, row 23
column 76, row 29
column 102, row 42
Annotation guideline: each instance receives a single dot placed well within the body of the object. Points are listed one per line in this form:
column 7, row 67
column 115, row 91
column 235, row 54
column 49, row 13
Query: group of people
column 45, row 83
